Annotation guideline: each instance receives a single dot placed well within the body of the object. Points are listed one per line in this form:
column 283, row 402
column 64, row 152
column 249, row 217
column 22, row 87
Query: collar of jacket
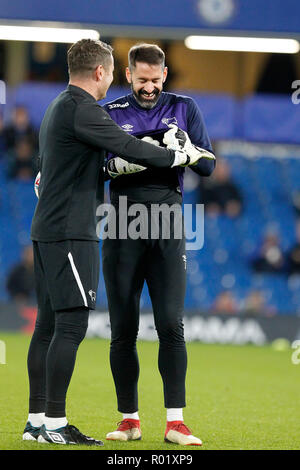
column 80, row 91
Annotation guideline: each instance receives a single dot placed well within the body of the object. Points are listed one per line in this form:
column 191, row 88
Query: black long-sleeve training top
column 74, row 137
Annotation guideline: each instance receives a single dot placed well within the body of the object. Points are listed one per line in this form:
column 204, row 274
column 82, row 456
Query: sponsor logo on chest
column 127, row 127
column 118, row 105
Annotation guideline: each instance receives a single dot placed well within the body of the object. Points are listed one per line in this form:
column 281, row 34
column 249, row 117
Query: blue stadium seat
column 266, row 185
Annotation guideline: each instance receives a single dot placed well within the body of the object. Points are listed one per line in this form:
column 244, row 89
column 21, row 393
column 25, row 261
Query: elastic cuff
column 37, row 405
column 180, row 158
column 55, row 409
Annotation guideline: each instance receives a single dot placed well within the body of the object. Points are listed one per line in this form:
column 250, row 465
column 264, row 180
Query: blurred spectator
column 256, row 304
column 219, row 194
column 20, row 126
column 225, row 303
column 21, row 161
column 120, row 78
column 270, row 258
column 20, row 281
column 293, row 256
column 296, row 201
column 47, row 62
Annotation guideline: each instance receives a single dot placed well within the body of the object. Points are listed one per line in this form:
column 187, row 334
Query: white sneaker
column 178, row 433
column 128, row 430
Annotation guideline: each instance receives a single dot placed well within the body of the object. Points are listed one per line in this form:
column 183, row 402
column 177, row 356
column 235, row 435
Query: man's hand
column 177, row 139
column 118, row 166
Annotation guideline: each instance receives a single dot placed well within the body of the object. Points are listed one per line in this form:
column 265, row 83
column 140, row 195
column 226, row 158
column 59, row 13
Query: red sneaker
column 178, row 433
column 128, row 430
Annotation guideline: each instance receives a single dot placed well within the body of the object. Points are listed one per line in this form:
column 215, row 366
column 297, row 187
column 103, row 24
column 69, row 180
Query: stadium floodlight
column 45, row 34
column 243, row 44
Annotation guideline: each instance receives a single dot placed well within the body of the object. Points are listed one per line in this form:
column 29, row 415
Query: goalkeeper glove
column 118, row 166
column 150, row 140
column 177, row 139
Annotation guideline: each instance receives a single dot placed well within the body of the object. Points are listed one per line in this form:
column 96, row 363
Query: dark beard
column 146, row 104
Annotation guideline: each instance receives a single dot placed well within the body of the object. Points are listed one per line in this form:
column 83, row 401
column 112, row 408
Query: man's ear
column 99, row 72
column 128, row 75
column 165, row 73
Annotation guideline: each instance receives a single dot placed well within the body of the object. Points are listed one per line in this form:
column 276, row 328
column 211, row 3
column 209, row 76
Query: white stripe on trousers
column 77, row 277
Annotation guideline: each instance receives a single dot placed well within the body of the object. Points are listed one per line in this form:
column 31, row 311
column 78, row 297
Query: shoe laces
column 77, row 433
column 126, row 424
column 181, row 427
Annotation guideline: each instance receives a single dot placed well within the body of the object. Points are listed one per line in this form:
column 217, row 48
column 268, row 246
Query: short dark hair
column 85, row 55
column 143, row 52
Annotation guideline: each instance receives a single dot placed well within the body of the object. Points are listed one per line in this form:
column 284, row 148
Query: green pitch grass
column 238, row 397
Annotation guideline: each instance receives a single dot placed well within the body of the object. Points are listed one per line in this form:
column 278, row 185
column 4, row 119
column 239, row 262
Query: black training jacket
column 74, row 137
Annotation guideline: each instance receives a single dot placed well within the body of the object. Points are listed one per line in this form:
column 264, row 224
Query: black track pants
column 162, row 264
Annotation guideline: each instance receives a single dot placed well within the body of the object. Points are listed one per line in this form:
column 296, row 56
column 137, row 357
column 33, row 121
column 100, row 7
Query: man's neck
column 86, row 86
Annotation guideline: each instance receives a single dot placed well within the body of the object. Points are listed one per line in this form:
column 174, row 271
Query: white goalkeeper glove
column 150, row 140
column 118, row 166
column 180, row 156
column 178, row 140
column 37, row 184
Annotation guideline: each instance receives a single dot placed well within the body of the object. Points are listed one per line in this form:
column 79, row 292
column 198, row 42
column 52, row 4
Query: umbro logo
column 127, row 127
column 56, row 437
column 92, row 295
